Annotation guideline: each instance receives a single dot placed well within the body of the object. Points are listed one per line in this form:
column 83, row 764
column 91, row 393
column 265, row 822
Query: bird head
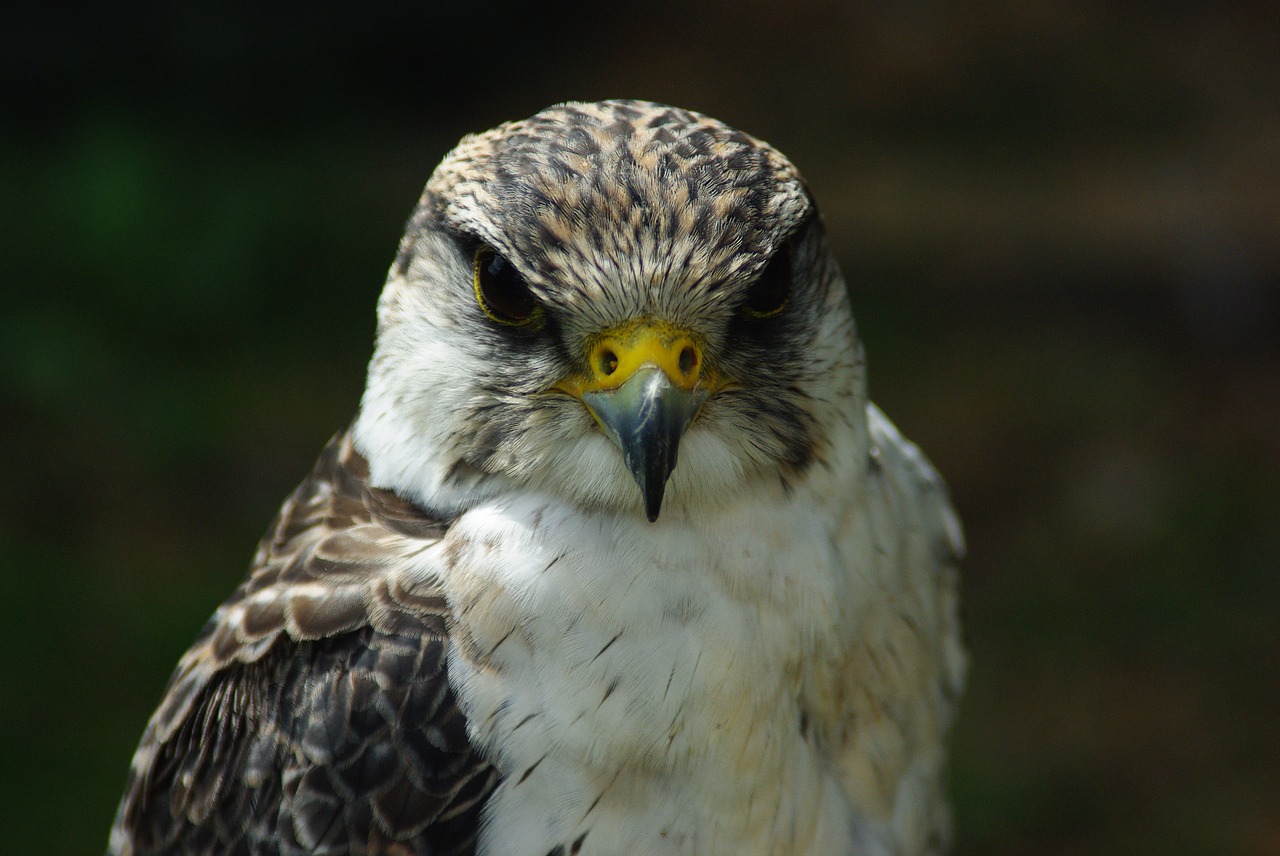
column 616, row 304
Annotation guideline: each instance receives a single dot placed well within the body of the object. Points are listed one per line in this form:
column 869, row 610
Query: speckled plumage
column 463, row 635
column 312, row 714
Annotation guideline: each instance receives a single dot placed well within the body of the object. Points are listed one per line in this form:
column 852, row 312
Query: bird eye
column 771, row 291
column 501, row 291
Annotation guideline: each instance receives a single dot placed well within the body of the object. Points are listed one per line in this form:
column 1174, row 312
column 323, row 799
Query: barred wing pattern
column 314, row 714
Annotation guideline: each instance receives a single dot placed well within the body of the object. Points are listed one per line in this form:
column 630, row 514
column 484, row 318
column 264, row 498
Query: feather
column 294, row 722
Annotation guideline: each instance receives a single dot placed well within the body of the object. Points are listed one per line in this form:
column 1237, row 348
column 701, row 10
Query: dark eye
column 501, row 291
column 769, row 294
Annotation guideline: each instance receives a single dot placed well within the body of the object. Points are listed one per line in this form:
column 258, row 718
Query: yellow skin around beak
column 646, row 383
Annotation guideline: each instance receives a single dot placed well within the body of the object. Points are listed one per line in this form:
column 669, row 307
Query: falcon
column 616, row 557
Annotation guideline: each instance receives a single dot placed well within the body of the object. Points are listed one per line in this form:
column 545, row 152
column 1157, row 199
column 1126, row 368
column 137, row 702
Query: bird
column 615, row 557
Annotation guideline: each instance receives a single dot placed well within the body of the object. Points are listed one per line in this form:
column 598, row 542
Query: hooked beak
column 645, row 387
column 646, row 417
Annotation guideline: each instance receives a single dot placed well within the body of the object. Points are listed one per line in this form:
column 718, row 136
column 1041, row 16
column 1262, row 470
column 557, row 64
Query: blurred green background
column 1061, row 225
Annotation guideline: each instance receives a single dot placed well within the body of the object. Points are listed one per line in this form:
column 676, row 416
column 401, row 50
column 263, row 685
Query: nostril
column 608, row 362
column 688, row 360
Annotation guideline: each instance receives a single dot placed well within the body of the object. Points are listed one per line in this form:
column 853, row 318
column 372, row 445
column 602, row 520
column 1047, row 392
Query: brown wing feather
column 313, row 714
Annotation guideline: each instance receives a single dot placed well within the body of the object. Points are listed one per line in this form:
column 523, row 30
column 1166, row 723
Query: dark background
column 1061, row 226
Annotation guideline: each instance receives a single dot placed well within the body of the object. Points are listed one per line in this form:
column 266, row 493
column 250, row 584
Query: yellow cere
column 614, row 355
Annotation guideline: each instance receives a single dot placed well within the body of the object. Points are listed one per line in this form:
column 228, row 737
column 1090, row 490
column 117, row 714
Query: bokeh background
column 1061, row 225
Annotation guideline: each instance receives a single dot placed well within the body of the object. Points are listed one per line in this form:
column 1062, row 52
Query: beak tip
column 652, row 509
column 653, row 487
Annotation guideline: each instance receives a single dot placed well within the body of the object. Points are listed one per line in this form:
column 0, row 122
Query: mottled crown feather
column 603, row 189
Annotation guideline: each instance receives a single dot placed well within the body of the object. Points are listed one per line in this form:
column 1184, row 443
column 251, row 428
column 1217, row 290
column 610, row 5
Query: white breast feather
column 644, row 684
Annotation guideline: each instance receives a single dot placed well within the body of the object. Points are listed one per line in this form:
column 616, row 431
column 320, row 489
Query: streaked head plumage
column 608, row 213
column 612, row 203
